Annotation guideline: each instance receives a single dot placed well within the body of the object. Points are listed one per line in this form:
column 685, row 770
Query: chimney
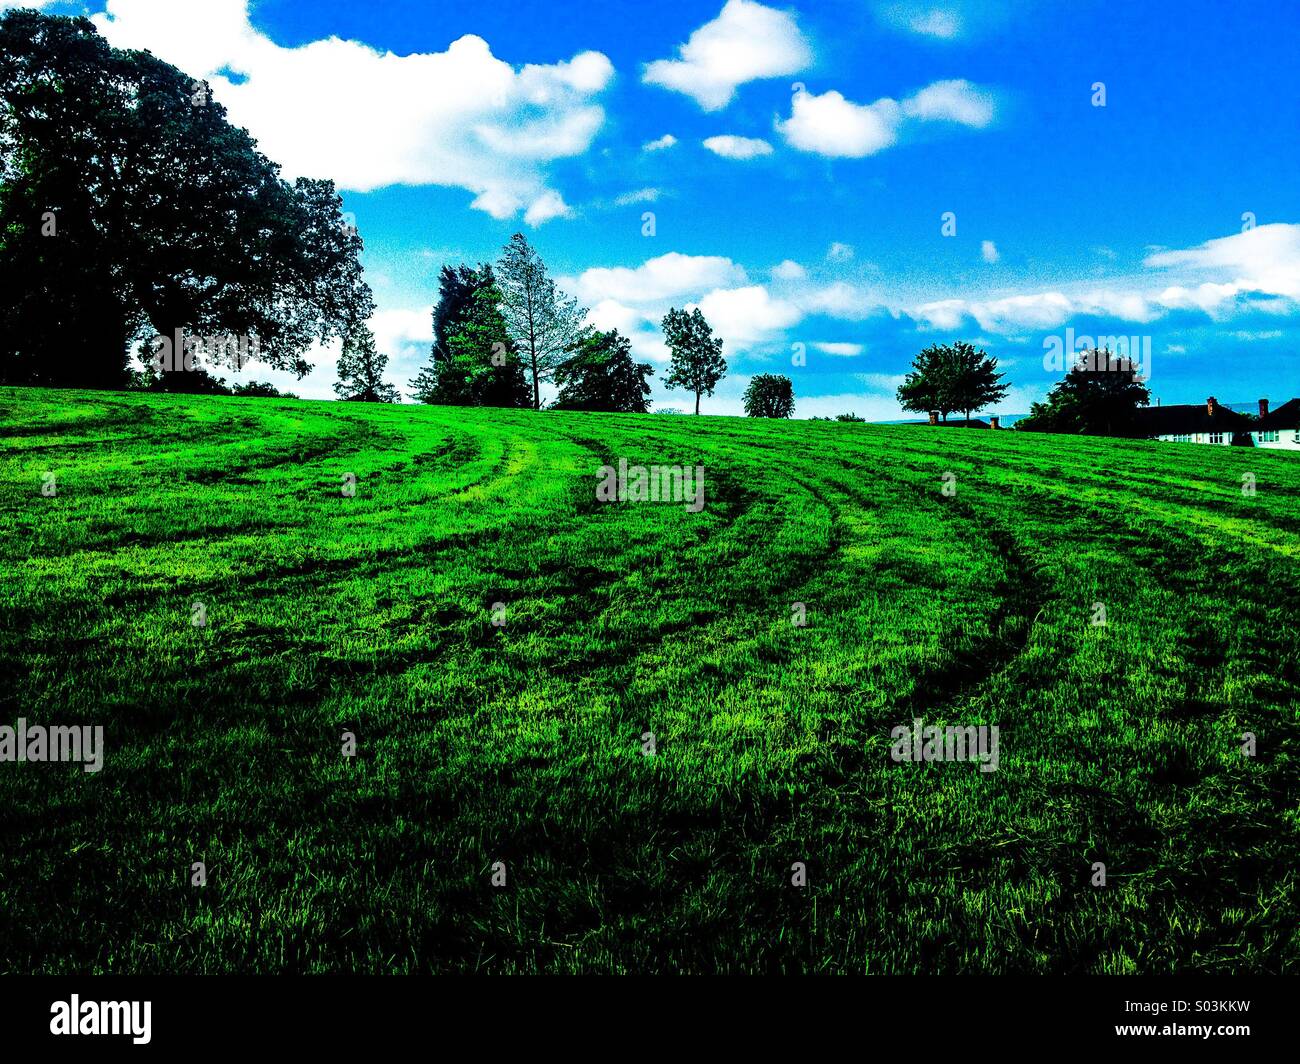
column 1263, row 408
column 995, row 422
column 1211, row 405
column 934, row 417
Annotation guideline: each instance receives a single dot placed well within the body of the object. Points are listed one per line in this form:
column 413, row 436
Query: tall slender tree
column 361, row 368
column 543, row 322
column 697, row 363
column 474, row 361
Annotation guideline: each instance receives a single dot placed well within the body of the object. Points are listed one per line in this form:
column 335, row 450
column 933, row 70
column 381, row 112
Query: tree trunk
column 697, row 404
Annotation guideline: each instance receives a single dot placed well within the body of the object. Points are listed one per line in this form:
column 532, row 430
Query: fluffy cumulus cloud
column 989, row 252
column 837, row 127
column 671, row 276
column 634, row 300
column 1263, row 260
column 749, row 315
column 733, row 147
column 831, row 125
column 746, row 315
column 747, row 41
column 368, row 119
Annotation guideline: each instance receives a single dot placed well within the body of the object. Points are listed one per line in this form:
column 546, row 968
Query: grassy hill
column 521, row 742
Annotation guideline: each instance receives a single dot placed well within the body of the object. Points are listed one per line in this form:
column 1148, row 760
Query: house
column 1278, row 430
column 1194, row 423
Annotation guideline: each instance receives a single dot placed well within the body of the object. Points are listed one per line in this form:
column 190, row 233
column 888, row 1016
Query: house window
column 1269, row 436
column 1297, row 436
column 1216, row 437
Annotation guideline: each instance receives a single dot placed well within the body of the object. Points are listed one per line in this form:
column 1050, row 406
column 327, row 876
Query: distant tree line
column 501, row 331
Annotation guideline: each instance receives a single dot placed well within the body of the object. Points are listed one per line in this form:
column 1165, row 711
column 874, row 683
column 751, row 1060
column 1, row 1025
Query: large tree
column 697, row 363
column 1099, row 396
column 602, row 375
column 130, row 207
column 474, row 361
column 543, row 322
column 950, row 377
column 769, row 395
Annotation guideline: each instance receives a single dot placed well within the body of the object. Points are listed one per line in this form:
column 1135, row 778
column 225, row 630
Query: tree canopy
column 1099, row 396
column 130, row 207
column 602, row 375
column 474, row 361
column 952, row 377
column 769, row 395
column 697, row 363
column 543, row 323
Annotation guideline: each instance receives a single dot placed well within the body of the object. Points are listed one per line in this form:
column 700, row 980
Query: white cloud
column 951, row 101
column 989, row 251
column 840, row 350
column 396, row 331
column 838, row 252
column 749, row 315
column 837, row 300
column 640, row 195
column 747, row 41
column 666, row 141
column 1265, row 259
column 638, row 325
column 550, row 204
column 943, row 23
column 833, row 126
column 1254, row 270
column 789, row 270
column 368, row 119
column 732, row 147
column 1011, row 315
column 670, row 276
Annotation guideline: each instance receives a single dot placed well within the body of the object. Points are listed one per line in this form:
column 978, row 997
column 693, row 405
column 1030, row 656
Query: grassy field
column 521, row 742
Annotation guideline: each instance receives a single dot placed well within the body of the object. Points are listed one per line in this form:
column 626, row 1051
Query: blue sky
column 815, row 150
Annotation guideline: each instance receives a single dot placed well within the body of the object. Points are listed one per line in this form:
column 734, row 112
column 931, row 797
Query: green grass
column 522, row 743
